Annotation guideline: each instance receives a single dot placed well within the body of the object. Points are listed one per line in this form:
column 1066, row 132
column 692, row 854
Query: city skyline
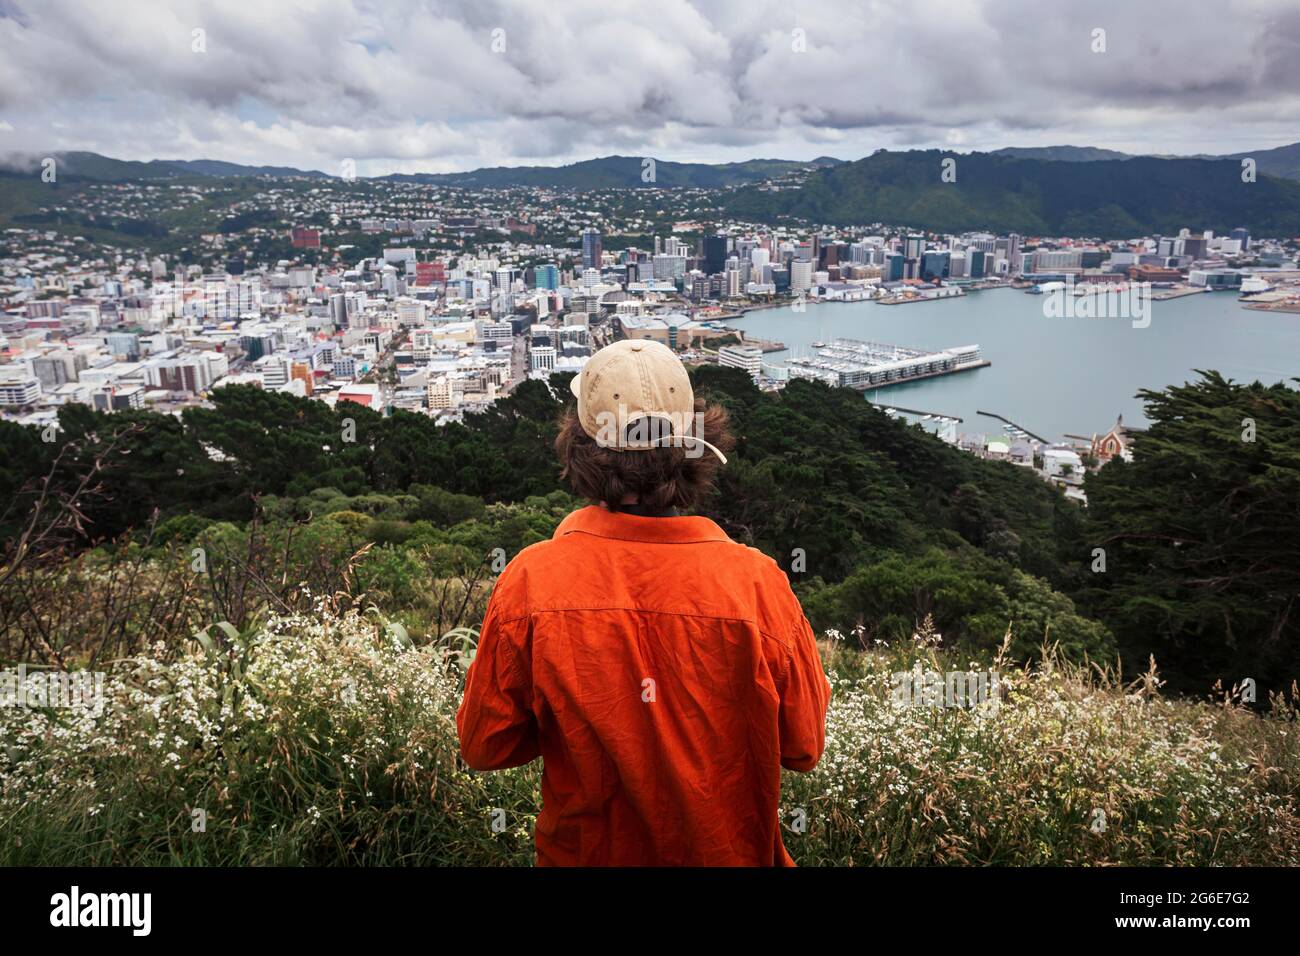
column 455, row 87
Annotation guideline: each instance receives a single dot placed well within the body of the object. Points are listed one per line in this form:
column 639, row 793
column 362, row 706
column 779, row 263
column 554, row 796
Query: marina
column 1051, row 376
column 852, row 363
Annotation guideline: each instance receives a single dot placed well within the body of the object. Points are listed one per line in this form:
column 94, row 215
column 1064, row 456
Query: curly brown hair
column 659, row 478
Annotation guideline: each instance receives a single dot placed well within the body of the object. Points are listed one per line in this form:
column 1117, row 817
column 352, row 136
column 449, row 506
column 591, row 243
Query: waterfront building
column 748, row 358
column 850, row 363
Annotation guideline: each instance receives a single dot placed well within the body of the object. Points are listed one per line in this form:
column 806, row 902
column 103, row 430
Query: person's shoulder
column 530, row 558
column 749, row 568
column 753, row 561
column 515, row 583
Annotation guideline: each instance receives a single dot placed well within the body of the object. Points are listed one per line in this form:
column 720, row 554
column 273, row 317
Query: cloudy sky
column 442, row 86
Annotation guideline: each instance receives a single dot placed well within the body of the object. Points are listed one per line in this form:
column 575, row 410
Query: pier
column 916, row 411
column 851, row 363
column 1038, row 438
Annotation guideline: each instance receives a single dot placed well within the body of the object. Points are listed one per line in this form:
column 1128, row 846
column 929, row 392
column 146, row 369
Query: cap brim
column 575, row 385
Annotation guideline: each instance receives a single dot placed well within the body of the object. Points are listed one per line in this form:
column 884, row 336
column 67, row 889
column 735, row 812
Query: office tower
column 256, row 345
column 800, row 275
column 715, row 253
column 591, row 248
column 895, row 264
column 934, row 265
column 548, row 277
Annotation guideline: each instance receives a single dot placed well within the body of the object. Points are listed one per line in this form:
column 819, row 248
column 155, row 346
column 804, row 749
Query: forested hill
column 621, row 172
column 1106, row 198
column 816, row 468
column 878, row 523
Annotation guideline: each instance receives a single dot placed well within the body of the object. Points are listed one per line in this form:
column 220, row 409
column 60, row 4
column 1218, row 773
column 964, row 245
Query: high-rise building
column 669, row 267
column 934, row 265
column 675, row 247
column 591, row 250
column 257, row 344
column 894, row 267
column 801, row 275
column 548, row 277
column 58, row 368
column 715, row 253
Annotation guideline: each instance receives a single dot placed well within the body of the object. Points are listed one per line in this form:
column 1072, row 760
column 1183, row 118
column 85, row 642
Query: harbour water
column 1053, row 376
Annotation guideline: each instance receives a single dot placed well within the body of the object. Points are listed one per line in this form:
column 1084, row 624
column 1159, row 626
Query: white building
column 745, row 357
column 1062, row 461
column 19, row 391
column 542, row 359
column 800, row 275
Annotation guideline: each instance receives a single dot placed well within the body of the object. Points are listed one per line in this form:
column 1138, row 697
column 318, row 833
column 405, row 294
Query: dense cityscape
column 399, row 295
column 700, row 434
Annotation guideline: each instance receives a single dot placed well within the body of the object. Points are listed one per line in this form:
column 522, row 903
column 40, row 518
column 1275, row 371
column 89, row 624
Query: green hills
column 1106, row 198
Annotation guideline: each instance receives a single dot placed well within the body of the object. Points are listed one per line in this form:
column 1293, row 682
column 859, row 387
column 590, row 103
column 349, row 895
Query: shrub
column 326, row 739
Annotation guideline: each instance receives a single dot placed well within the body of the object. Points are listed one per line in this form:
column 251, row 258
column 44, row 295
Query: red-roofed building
column 305, row 238
column 367, row 395
column 430, row 273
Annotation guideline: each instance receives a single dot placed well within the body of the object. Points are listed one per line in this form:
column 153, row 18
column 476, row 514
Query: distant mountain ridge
column 603, row 172
column 215, row 167
column 1114, row 198
column 615, row 172
column 1069, row 154
column 87, row 165
column 1061, row 190
column 1281, row 161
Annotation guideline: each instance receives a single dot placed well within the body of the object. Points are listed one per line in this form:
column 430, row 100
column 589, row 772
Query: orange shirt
column 665, row 674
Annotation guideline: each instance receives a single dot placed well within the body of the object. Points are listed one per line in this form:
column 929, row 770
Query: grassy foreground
column 327, row 739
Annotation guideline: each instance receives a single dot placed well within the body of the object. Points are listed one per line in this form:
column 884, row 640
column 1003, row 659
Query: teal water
column 1053, row 376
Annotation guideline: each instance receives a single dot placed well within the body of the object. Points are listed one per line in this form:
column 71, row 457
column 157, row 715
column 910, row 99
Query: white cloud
column 401, row 87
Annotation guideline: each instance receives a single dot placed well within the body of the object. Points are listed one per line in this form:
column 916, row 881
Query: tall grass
column 322, row 738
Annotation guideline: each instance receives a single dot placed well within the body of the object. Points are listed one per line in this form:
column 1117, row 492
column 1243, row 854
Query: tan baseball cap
column 635, row 395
